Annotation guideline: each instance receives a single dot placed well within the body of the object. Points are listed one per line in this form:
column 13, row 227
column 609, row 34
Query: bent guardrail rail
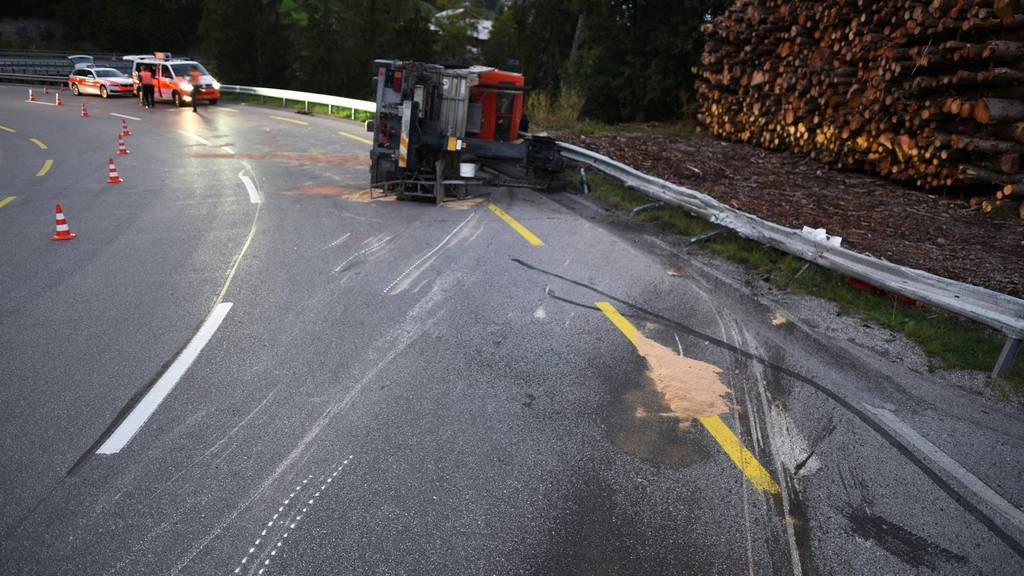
column 1000, row 311
column 305, row 97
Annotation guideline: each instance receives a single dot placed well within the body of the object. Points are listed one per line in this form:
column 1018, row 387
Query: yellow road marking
column 354, row 137
column 6, row 129
column 45, row 168
column 734, row 448
column 533, row 240
column 6, row 201
column 627, row 328
column 742, row 457
column 292, row 120
column 39, row 143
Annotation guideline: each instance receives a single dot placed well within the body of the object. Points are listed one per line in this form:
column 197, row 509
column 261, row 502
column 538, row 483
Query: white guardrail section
column 1000, row 311
column 305, row 97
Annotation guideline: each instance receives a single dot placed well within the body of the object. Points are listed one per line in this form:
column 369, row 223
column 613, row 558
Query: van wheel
column 177, row 99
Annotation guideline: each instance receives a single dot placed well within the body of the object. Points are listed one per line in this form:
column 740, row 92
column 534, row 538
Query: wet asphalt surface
column 405, row 389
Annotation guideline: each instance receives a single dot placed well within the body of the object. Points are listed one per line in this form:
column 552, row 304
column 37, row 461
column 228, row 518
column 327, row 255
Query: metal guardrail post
column 1007, row 357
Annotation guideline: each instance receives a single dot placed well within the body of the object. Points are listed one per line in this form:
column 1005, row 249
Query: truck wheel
column 177, row 99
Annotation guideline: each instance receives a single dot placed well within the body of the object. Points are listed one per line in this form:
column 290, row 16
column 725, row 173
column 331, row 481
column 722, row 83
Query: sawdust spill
column 777, row 318
column 344, row 192
column 463, row 203
column 353, row 160
column 654, row 420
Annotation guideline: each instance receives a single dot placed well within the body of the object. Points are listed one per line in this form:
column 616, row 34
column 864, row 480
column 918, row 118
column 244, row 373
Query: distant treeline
column 623, row 60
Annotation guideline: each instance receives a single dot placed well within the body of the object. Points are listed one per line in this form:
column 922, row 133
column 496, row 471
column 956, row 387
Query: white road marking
column 125, row 116
column 951, row 466
column 38, row 102
column 229, row 150
column 196, row 137
column 250, row 187
column 151, row 401
column 428, row 254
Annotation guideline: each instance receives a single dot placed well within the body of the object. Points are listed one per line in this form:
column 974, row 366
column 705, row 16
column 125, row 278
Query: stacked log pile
column 930, row 93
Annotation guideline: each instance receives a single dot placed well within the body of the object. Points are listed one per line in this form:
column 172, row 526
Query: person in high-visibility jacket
column 146, row 81
column 194, row 77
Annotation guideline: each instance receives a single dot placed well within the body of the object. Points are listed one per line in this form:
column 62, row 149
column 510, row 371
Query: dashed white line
column 250, row 187
column 151, row 401
column 361, row 252
column 125, row 116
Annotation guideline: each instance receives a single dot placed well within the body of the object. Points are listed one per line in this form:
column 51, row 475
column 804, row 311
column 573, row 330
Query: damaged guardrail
column 1000, row 311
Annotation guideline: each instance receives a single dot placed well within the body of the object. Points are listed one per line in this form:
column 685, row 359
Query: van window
column 165, row 72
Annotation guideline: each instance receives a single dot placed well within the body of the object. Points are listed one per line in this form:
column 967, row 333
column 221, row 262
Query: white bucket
column 467, row 169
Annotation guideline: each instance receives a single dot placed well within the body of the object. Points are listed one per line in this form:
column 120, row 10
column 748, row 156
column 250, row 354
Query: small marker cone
column 31, row 96
column 56, row 99
column 121, row 148
column 124, row 128
column 45, row 90
column 63, row 231
column 85, row 111
column 113, row 178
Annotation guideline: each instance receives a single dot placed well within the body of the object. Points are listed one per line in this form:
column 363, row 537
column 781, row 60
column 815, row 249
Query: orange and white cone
column 63, row 231
column 85, row 111
column 56, row 99
column 121, row 148
column 31, row 96
column 124, row 128
column 46, row 90
column 113, row 178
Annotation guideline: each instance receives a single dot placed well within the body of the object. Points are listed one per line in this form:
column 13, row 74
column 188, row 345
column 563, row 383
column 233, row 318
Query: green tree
column 246, row 41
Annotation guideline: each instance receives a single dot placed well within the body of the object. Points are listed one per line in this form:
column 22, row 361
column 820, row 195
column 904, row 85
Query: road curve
column 247, row 364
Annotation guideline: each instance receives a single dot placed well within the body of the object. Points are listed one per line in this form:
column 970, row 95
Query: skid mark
column 434, row 251
column 362, row 252
column 353, row 160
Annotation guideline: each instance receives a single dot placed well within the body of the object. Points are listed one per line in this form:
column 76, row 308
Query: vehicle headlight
column 216, row 85
column 185, row 86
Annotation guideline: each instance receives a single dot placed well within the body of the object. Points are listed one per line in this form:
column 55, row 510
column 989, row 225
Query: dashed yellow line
column 39, row 143
column 6, row 129
column 292, row 120
column 530, row 237
column 354, row 137
column 6, row 201
column 46, row 167
column 733, row 447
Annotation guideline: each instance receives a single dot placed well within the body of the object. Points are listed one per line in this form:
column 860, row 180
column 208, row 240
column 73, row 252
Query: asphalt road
column 307, row 380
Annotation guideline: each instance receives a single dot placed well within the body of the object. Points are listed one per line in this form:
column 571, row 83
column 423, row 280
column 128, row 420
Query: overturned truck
column 440, row 130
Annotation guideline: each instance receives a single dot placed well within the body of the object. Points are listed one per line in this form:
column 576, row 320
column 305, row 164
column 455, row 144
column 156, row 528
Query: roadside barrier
column 63, row 230
column 999, row 311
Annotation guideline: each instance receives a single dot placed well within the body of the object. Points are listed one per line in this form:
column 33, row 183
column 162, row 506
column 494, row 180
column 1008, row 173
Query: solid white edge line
column 151, row 401
column 951, row 466
column 125, row 116
column 254, row 195
column 196, row 137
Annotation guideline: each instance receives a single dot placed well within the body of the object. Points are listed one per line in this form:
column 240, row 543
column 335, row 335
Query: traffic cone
column 85, row 111
column 31, row 96
column 45, row 90
column 121, row 148
column 63, row 232
column 113, row 178
column 56, row 99
column 124, row 128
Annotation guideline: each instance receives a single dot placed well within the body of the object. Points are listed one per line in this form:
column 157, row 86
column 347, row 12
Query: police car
column 105, row 82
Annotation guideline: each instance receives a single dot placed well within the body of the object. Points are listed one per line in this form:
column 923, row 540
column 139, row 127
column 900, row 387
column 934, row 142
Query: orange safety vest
column 146, row 77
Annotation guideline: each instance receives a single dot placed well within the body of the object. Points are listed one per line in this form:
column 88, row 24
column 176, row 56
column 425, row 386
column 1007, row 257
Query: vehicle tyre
column 74, row 90
column 177, row 99
column 214, row 102
column 103, row 92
